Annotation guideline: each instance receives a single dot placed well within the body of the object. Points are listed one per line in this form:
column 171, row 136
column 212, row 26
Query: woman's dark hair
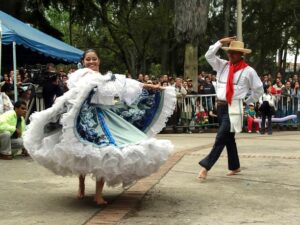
column 266, row 87
column 86, row 52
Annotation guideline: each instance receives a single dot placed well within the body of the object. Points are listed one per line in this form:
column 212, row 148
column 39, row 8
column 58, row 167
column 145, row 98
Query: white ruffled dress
column 107, row 124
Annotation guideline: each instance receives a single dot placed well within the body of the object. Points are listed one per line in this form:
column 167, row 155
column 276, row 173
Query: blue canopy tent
column 30, row 40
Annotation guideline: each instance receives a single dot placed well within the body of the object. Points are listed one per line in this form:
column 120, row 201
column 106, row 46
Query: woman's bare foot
column 98, row 196
column 100, row 200
column 202, row 174
column 80, row 194
column 81, row 188
column 233, row 172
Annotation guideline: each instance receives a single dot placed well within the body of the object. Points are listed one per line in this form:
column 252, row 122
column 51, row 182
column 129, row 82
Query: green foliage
column 139, row 35
column 155, row 69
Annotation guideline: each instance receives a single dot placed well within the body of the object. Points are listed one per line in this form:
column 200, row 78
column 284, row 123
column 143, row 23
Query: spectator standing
column 141, row 78
column 214, row 79
column 51, row 91
column 296, row 96
column 188, row 106
column 64, row 82
column 8, row 87
column 5, row 103
column 146, row 78
column 267, row 104
column 171, row 81
column 209, row 90
column 287, row 93
column 265, row 80
column 180, row 94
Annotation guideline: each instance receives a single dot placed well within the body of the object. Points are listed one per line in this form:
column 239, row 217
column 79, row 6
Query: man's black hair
column 18, row 104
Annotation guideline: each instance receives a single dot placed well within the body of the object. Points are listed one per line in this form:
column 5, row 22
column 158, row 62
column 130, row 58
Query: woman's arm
column 153, row 87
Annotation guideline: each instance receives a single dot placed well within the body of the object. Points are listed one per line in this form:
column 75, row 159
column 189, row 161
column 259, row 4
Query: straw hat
column 237, row 46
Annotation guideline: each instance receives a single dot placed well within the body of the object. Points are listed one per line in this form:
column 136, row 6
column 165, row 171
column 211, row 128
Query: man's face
column 234, row 56
column 178, row 82
column 21, row 111
column 165, row 78
column 279, row 76
column 288, row 85
column 295, row 77
column 266, row 78
column 141, row 77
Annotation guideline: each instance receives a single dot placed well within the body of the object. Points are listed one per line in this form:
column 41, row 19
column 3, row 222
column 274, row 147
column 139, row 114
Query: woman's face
column 91, row 61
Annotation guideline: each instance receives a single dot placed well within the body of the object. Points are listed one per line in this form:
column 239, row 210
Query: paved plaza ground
column 266, row 192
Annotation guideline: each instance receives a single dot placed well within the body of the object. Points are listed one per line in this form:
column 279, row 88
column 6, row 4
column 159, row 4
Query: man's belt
column 222, row 103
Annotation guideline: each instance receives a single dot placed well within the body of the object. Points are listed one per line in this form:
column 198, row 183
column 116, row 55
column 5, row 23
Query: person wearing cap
column 5, row 103
column 251, row 116
column 234, row 80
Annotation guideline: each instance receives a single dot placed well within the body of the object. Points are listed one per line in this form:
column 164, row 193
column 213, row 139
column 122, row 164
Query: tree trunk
column 131, row 65
column 70, row 22
column 280, row 54
column 191, row 63
column 284, row 59
column 296, row 57
column 226, row 11
column 165, row 58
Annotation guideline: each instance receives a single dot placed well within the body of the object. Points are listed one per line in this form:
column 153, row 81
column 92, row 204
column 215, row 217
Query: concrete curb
column 129, row 199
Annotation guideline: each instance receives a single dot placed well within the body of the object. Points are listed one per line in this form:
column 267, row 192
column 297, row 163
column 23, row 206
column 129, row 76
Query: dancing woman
column 107, row 124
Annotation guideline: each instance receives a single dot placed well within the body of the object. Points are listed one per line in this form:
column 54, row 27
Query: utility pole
column 239, row 27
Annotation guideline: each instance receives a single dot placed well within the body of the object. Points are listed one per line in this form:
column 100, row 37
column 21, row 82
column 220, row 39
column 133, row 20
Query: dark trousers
column 265, row 115
column 224, row 138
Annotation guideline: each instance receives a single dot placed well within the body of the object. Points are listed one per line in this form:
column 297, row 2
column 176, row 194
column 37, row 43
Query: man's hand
column 19, row 132
column 227, row 40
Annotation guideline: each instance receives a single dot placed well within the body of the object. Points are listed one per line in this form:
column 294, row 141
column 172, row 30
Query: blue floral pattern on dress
column 88, row 127
column 142, row 112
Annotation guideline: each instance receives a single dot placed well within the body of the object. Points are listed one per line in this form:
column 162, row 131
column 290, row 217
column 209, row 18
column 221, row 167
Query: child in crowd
column 200, row 113
column 251, row 116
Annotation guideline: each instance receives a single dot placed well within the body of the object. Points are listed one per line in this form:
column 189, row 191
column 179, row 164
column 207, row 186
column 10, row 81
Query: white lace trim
column 167, row 111
column 64, row 154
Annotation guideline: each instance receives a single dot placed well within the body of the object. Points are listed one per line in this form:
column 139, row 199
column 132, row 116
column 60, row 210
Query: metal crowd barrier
column 198, row 112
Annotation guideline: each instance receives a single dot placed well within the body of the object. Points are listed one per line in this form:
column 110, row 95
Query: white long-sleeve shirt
column 268, row 98
column 244, row 80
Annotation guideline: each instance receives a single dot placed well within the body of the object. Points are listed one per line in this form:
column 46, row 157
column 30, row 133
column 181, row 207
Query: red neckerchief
column 233, row 68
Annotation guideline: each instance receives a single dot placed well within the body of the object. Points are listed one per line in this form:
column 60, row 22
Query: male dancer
column 235, row 79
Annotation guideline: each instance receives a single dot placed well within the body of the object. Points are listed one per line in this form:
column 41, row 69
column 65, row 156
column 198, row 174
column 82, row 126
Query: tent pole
column 15, row 71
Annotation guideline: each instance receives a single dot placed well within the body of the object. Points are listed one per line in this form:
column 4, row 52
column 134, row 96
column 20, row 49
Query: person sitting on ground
column 251, row 116
column 12, row 127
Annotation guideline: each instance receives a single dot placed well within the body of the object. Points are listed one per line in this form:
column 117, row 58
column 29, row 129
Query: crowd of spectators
column 195, row 105
column 54, row 86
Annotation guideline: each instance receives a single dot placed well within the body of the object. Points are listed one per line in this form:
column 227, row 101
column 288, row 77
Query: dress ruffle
column 63, row 153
